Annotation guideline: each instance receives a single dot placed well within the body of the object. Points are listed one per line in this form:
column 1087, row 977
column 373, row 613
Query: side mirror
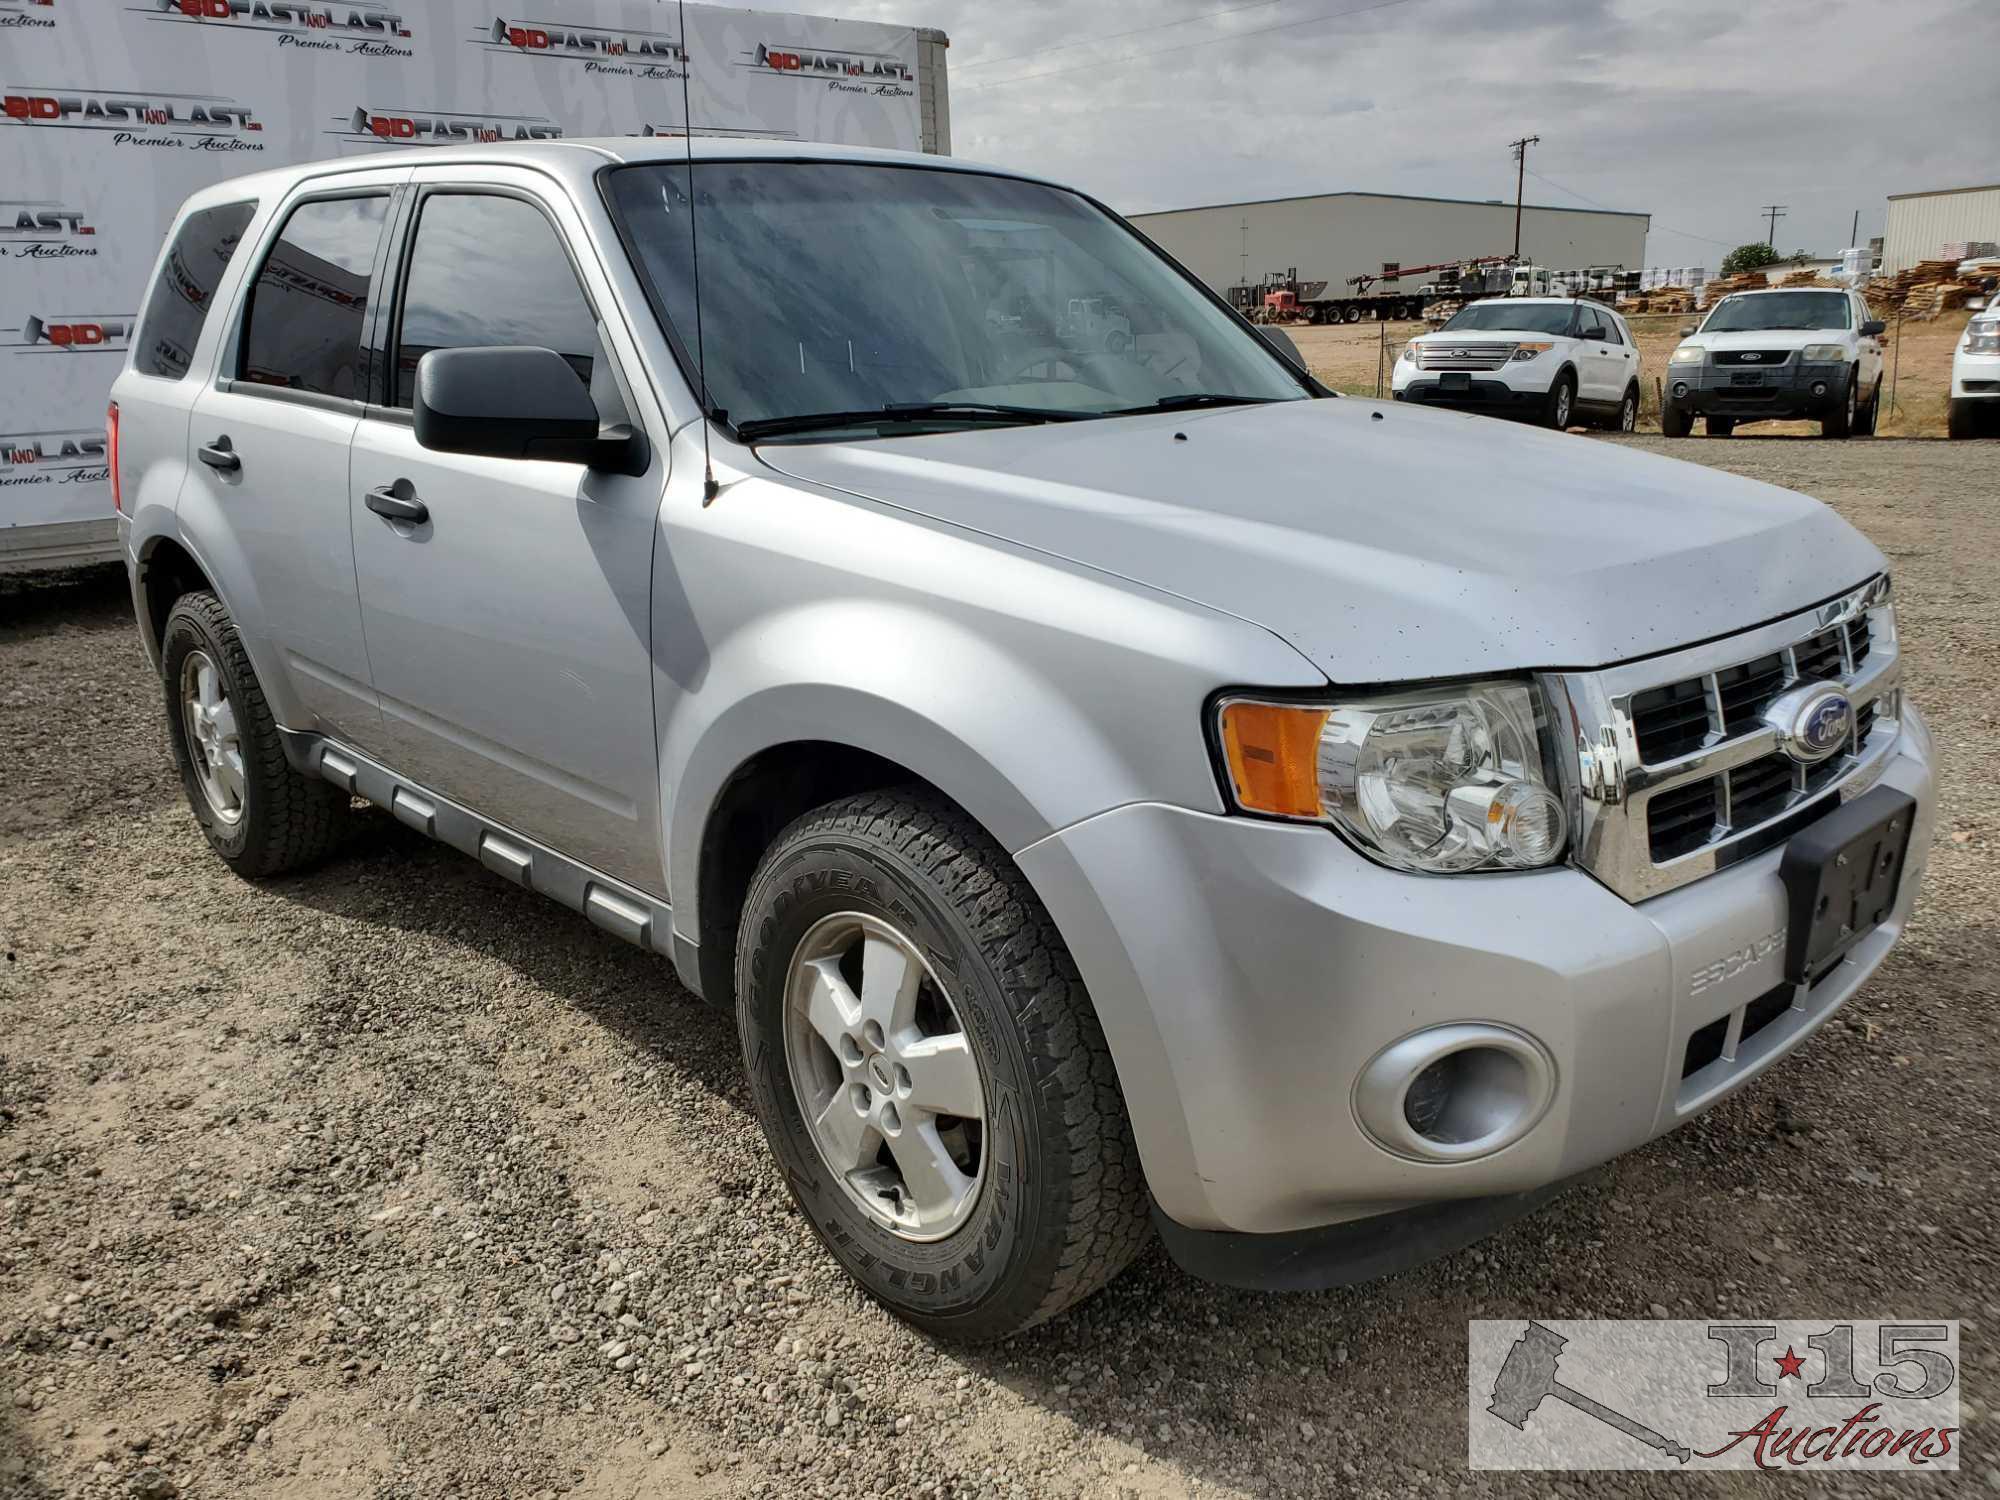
column 1282, row 342
column 1874, row 328
column 1688, row 332
column 518, row 402
column 1593, row 334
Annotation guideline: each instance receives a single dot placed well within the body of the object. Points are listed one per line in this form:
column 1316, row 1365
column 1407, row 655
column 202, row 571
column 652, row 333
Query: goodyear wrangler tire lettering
column 1057, row 1204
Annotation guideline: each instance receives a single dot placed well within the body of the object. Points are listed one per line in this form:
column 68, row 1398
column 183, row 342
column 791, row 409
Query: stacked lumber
column 1658, row 299
column 1925, row 290
column 1806, row 278
column 1722, row 286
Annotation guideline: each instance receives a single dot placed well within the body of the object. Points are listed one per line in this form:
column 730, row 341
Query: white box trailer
column 111, row 114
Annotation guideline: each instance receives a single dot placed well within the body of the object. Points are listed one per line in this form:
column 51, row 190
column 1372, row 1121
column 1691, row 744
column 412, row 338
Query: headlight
column 1442, row 781
column 1411, row 351
column 1688, row 354
column 1982, row 338
column 1529, row 351
column 1824, row 354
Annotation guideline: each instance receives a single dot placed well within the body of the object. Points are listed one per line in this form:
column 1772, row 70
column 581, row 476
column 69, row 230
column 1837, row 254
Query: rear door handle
column 220, row 456
column 398, row 502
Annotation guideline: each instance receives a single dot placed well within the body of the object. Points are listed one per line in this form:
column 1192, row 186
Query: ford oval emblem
column 1813, row 722
column 1751, row 358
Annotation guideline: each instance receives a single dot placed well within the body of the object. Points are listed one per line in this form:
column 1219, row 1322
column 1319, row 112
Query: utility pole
column 1773, row 212
column 1854, row 234
column 1521, row 184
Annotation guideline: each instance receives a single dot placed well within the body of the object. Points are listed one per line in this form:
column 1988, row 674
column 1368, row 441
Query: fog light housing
column 1819, row 387
column 1455, row 1093
column 1680, row 390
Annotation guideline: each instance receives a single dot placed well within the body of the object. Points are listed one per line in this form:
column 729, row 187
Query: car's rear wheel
column 1628, row 410
column 928, row 1069
column 1841, row 423
column 259, row 814
column 1560, row 407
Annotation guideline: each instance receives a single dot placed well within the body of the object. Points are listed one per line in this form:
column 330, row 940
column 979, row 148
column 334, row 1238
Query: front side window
column 1514, row 317
column 1779, row 312
column 491, row 271
column 836, row 287
column 303, row 328
column 1613, row 334
column 178, row 308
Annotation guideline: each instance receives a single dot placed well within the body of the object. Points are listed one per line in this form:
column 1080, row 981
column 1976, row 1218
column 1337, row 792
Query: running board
column 640, row 919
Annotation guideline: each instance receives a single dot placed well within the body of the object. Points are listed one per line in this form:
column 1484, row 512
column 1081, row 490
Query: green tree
column 1749, row 258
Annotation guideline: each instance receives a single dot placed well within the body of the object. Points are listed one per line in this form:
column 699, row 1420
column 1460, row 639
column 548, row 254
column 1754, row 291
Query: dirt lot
column 394, row 1180
column 1345, row 358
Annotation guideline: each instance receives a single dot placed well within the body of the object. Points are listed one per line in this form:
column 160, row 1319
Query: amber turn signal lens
column 1273, row 752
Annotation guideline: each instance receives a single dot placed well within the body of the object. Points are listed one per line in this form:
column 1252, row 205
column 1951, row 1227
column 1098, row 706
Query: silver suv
column 1114, row 785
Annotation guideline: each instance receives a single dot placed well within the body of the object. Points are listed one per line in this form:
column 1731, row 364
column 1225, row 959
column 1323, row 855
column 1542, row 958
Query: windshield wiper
column 899, row 412
column 1193, row 401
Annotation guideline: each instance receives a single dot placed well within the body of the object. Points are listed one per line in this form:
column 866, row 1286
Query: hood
column 1384, row 541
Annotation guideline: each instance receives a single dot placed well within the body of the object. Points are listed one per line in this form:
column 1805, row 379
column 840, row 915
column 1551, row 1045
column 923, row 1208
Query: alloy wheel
column 214, row 743
column 885, row 1077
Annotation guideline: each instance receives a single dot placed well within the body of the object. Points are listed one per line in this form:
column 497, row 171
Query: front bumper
column 1245, row 972
column 1975, row 377
column 1787, row 391
column 1512, row 390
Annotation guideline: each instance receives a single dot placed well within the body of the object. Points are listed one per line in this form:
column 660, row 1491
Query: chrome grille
column 1451, row 355
column 1679, row 775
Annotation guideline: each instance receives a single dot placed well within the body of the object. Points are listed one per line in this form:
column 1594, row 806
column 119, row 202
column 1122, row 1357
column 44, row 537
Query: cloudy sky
column 1697, row 111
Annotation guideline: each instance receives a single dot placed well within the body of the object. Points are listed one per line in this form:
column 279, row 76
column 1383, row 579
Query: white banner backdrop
column 113, row 111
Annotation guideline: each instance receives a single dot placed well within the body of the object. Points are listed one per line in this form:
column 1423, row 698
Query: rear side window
column 487, row 270
column 303, row 326
column 181, row 297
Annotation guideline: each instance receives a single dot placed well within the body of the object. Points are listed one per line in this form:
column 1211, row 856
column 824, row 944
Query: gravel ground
column 393, row 1180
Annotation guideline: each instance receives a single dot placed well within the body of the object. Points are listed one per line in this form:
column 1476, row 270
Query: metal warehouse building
column 1338, row 235
column 1922, row 224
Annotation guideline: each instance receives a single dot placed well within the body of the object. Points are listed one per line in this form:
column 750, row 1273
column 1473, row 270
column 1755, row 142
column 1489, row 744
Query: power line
column 1119, row 62
column 1596, row 203
column 1112, row 36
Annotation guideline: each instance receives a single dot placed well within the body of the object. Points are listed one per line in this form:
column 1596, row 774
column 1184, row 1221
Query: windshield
column 1514, row 317
column 835, row 287
column 1776, row 310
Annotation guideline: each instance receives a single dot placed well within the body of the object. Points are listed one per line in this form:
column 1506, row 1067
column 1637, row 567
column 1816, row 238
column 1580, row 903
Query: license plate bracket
column 1841, row 877
column 1747, row 377
column 1455, row 380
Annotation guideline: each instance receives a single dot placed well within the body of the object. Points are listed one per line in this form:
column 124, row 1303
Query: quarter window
column 303, row 328
column 490, row 271
column 178, row 307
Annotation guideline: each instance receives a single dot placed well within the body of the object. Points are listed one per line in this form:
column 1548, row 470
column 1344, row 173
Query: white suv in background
column 1549, row 359
column 1788, row 354
column 1975, row 378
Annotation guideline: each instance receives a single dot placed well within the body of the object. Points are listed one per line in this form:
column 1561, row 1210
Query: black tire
column 1964, row 420
column 1352, row 313
column 1063, row 1206
column 1841, row 423
column 1559, row 410
column 1720, row 427
column 1864, row 420
column 1675, row 421
column 286, row 820
column 1627, row 419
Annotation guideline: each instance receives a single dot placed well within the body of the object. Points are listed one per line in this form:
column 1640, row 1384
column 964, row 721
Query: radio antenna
column 709, row 488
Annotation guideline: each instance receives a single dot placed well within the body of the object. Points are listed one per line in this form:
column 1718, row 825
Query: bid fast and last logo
column 429, row 127
column 76, row 456
column 42, row 229
column 181, row 122
column 359, row 28
column 624, row 53
column 27, row 15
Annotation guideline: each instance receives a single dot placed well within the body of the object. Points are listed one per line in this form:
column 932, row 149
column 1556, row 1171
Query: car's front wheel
column 1841, row 423
column 1561, row 404
column 259, row 814
column 929, row 1071
column 1964, row 420
column 1676, row 421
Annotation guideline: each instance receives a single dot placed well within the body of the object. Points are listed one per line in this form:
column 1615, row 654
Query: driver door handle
column 385, row 501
